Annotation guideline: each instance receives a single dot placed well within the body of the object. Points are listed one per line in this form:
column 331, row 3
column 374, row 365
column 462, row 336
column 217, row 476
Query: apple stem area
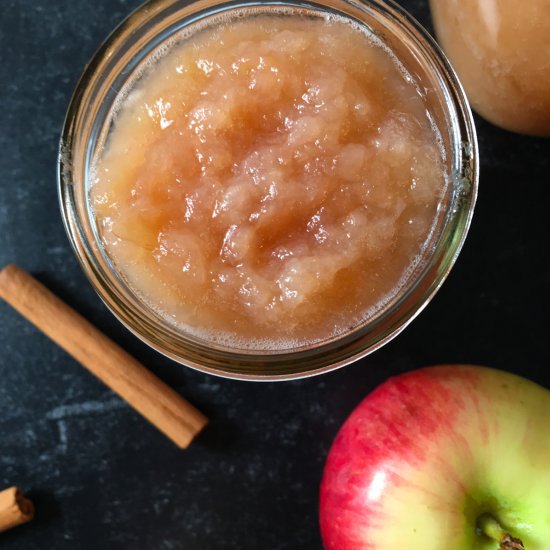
column 490, row 527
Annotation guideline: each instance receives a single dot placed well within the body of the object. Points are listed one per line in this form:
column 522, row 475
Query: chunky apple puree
column 269, row 182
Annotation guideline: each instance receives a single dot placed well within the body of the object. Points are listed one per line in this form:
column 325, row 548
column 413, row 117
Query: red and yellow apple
column 442, row 458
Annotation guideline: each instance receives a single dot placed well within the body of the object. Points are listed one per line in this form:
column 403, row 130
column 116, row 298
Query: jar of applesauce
column 267, row 190
column 501, row 52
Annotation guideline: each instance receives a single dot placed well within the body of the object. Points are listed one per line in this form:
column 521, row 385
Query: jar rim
column 117, row 54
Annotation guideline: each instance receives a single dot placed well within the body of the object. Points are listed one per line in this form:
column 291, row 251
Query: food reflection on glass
column 270, row 182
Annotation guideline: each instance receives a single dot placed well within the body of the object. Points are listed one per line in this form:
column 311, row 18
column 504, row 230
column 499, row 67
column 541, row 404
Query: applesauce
column 269, row 181
column 501, row 51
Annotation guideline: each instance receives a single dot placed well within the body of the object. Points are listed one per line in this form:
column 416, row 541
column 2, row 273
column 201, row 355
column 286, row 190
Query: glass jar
column 501, row 53
column 156, row 25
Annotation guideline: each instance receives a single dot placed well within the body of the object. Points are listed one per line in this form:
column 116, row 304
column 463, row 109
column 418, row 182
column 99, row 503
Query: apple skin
column 428, row 452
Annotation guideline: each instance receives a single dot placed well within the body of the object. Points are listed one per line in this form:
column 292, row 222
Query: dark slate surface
column 100, row 476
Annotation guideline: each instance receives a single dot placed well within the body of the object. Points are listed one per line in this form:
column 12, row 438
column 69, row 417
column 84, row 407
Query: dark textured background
column 100, row 476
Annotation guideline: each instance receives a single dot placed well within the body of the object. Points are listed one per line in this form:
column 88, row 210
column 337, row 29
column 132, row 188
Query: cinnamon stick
column 15, row 508
column 161, row 405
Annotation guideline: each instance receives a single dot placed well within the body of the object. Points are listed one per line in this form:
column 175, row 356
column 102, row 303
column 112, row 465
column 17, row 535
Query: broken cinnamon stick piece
column 157, row 402
column 15, row 508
